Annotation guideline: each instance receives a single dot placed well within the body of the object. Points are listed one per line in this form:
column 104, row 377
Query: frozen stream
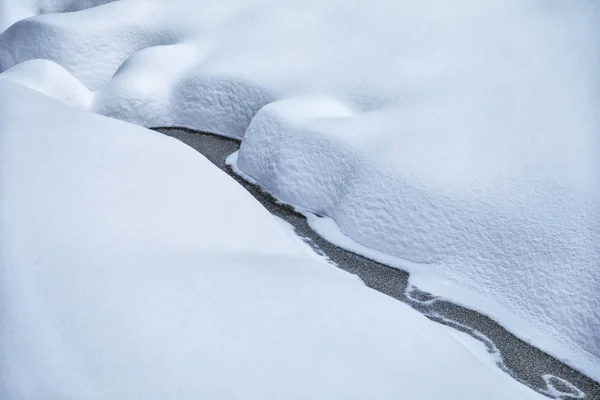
column 521, row 360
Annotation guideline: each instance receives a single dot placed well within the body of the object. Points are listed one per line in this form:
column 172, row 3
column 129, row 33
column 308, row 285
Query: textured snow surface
column 462, row 137
column 132, row 268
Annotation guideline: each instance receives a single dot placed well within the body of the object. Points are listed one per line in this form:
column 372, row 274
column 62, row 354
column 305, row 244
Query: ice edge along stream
column 524, row 362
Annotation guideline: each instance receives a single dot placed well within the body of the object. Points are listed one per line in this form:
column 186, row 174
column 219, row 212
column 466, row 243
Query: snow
column 12, row 11
column 457, row 229
column 51, row 79
column 460, row 138
column 116, row 29
column 133, row 268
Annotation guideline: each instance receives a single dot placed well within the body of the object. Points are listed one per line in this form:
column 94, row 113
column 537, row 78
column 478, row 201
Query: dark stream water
column 521, row 360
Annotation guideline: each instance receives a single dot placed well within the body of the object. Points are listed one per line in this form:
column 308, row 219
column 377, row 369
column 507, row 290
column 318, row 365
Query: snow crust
column 132, row 268
column 462, row 137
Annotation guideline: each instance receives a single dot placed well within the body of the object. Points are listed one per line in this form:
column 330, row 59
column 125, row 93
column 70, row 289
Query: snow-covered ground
column 131, row 267
column 460, row 136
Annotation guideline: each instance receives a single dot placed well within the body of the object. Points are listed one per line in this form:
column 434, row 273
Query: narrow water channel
column 521, row 360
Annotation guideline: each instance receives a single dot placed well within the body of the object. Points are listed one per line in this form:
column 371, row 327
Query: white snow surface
column 12, row 11
column 51, row 79
column 130, row 267
column 461, row 136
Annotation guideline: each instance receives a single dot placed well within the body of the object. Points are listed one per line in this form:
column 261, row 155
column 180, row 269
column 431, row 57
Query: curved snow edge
column 441, row 287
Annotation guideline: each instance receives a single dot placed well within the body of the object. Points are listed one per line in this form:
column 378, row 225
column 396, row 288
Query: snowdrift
column 462, row 137
column 132, row 268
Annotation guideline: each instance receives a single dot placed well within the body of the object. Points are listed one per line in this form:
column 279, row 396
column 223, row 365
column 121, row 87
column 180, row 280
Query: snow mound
column 12, row 11
column 501, row 233
column 51, row 79
column 91, row 44
column 140, row 91
column 132, row 268
column 212, row 103
column 437, row 135
column 282, row 130
column 166, row 86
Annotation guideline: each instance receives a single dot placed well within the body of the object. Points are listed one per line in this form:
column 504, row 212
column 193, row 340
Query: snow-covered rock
column 460, row 135
column 131, row 267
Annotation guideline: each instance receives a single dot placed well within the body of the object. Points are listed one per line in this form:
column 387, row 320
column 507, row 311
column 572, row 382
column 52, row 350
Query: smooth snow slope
column 12, row 11
column 461, row 136
column 131, row 267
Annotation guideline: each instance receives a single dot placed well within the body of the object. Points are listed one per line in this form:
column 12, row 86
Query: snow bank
column 459, row 136
column 93, row 44
column 132, row 268
column 525, row 239
column 12, row 11
column 141, row 95
column 51, row 79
